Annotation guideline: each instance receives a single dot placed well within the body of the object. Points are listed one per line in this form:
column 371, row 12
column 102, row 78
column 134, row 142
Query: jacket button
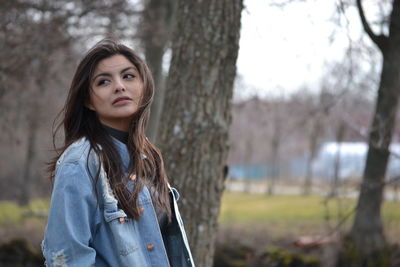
column 141, row 209
column 150, row 247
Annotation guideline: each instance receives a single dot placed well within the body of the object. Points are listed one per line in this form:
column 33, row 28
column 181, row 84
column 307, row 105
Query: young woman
column 111, row 203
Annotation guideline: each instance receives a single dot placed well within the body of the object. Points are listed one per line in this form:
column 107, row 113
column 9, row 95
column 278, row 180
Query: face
column 116, row 89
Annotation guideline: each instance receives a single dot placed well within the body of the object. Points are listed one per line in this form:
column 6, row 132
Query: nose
column 119, row 85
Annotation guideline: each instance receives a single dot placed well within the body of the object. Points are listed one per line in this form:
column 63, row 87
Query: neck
column 121, row 124
column 122, row 136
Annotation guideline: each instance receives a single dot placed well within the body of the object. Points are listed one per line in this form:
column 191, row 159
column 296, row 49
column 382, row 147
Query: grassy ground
column 11, row 213
column 23, row 222
column 284, row 215
column 279, row 216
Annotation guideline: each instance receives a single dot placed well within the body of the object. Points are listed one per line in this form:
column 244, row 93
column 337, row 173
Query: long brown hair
column 78, row 121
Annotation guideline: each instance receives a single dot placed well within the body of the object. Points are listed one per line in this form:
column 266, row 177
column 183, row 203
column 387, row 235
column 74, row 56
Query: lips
column 121, row 100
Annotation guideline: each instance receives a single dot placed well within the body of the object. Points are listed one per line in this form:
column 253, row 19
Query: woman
column 111, row 203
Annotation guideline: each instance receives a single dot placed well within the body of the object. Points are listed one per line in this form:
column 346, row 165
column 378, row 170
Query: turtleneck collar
column 117, row 134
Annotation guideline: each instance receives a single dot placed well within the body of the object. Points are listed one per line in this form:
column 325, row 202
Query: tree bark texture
column 197, row 114
column 155, row 30
column 367, row 231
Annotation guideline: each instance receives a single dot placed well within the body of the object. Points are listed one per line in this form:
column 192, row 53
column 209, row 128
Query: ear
column 89, row 105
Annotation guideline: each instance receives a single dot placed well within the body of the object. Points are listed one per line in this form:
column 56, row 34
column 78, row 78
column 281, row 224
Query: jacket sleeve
column 72, row 219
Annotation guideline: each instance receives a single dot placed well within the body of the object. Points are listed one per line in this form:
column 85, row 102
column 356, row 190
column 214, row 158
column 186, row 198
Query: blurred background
column 304, row 98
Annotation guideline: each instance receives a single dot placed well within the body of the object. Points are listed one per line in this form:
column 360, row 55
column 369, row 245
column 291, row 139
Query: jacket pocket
column 122, row 230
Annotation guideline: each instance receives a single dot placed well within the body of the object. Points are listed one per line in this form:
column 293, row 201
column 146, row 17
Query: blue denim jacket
column 85, row 230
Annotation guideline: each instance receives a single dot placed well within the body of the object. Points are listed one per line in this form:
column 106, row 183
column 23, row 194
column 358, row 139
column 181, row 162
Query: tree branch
column 394, row 27
column 379, row 40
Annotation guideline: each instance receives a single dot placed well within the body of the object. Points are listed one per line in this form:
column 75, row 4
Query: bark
column 313, row 141
column 33, row 117
column 367, row 231
column 155, row 30
column 247, row 161
column 197, row 114
column 336, row 165
column 25, row 193
column 275, row 152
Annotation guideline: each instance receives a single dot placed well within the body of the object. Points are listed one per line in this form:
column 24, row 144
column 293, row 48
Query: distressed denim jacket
column 88, row 230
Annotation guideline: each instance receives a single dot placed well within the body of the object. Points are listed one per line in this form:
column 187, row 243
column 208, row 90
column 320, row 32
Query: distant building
column 352, row 162
column 254, row 172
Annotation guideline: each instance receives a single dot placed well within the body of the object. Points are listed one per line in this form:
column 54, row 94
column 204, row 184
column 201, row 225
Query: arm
column 72, row 219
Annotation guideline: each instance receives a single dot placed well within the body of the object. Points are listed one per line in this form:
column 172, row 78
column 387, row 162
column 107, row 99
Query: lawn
column 279, row 215
column 23, row 222
column 11, row 213
column 282, row 215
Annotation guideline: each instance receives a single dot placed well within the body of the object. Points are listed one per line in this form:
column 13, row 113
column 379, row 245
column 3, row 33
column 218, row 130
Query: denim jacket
column 85, row 229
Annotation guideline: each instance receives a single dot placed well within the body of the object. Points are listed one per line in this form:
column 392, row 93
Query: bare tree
column 319, row 115
column 196, row 115
column 39, row 40
column 34, row 72
column 277, row 120
column 314, row 144
column 367, row 241
column 340, row 135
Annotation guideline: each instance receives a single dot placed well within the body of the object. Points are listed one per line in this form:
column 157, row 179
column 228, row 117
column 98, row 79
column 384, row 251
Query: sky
column 283, row 49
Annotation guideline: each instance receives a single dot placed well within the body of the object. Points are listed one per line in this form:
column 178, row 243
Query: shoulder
column 74, row 174
column 75, row 153
column 73, row 163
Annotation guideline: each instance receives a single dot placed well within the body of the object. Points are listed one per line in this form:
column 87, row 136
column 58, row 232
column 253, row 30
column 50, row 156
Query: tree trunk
column 33, row 116
column 367, row 231
column 249, row 150
column 336, row 165
column 156, row 26
column 275, row 152
column 25, row 193
column 197, row 113
column 313, row 142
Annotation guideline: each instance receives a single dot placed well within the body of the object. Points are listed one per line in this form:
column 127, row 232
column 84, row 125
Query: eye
column 102, row 82
column 129, row 76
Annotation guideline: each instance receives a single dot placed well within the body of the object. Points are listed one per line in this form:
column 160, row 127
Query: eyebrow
column 107, row 74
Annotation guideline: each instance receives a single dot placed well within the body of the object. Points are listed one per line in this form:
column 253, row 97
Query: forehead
column 113, row 63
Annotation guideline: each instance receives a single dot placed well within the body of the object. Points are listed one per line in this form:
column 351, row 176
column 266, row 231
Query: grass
column 26, row 222
column 296, row 215
column 11, row 213
column 279, row 215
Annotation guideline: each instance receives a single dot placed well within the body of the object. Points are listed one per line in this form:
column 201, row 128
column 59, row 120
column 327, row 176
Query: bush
column 18, row 253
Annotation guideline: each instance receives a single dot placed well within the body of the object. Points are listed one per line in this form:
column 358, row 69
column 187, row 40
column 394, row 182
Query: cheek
column 141, row 97
column 89, row 103
column 139, row 94
column 141, row 90
column 97, row 101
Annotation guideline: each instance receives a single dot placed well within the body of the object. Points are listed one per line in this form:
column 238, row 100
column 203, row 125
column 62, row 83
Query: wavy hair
column 78, row 121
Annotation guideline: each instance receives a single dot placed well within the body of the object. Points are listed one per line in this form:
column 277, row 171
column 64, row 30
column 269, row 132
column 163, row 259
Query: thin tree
column 197, row 113
column 314, row 143
column 275, row 145
column 340, row 134
column 34, row 37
